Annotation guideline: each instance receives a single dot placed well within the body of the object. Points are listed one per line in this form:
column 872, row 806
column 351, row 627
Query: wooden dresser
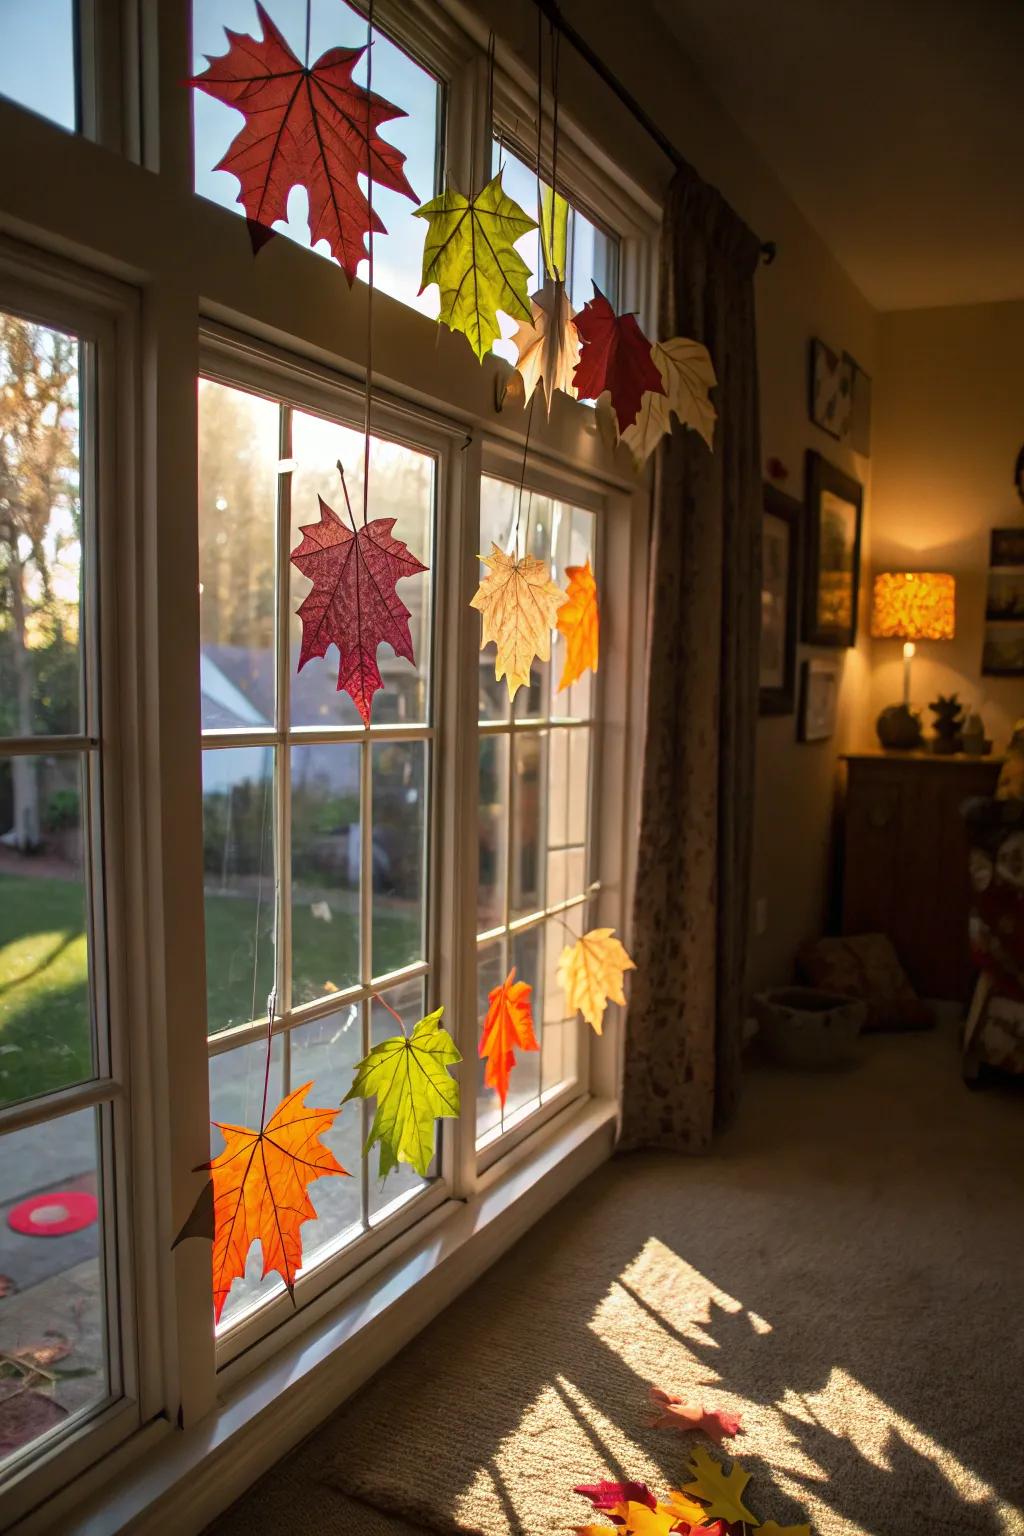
column 905, row 860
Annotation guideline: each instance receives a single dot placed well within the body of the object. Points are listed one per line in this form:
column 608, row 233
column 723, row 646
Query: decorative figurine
column 899, row 728
column 949, row 719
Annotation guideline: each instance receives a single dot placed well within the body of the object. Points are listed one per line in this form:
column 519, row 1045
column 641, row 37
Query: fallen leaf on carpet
column 605, row 1495
column 671, row 1412
column 720, row 1490
column 771, row 1529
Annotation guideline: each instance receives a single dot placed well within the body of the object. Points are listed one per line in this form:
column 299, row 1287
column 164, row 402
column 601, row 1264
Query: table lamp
column 910, row 606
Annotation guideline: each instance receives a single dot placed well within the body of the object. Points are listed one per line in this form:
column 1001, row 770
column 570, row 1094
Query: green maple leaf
column 409, row 1077
column 720, row 1490
column 470, row 254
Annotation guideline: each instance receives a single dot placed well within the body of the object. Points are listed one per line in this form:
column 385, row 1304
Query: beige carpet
column 846, row 1272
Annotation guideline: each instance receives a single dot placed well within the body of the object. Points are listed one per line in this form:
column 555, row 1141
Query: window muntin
column 315, row 830
column 592, row 253
column 398, row 255
column 38, row 63
column 58, row 1323
column 535, row 774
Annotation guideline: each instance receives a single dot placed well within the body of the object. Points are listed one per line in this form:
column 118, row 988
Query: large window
column 398, row 254
column 535, row 764
column 315, row 846
column 59, row 1345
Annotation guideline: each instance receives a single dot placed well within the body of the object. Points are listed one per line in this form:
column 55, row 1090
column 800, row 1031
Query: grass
column 45, row 1036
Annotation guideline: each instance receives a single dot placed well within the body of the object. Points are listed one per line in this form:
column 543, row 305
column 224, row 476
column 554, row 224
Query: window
column 535, row 770
column 397, row 255
column 38, row 63
column 315, row 830
column 59, row 1330
column 592, row 253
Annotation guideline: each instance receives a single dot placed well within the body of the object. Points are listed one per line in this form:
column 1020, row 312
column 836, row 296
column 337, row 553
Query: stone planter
column 805, row 1028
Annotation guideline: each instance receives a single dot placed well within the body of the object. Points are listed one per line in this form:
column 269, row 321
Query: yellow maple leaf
column 547, row 344
column 590, row 972
column 633, row 1519
column 771, row 1529
column 682, row 1508
column 518, row 601
column 578, row 622
column 687, row 373
column 720, row 1490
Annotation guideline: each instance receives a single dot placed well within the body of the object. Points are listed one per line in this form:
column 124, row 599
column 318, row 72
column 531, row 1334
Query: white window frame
column 88, row 222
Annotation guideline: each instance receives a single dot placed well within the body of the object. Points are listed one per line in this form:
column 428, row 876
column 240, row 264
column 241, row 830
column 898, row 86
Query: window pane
column 527, row 955
column 408, row 1002
column 46, row 1037
column 238, row 883
column 238, row 474
column 499, row 501
column 397, row 255
column 236, row 1098
column 493, row 822
column 399, row 854
column 491, row 971
column 529, row 778
column 326, row 862
column 37, row 57
column 53, row 1345
column 561, row 1033
column 326, row 1053
column 402, row 488
column 593, row 255
column 40, row 531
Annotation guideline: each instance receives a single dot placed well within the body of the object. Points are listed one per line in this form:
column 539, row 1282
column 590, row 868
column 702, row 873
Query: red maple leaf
column 605, row 1495
column 304, row 126
column 671, row 1412
column 353, row 603
column 615, row 356
column 508, row 1023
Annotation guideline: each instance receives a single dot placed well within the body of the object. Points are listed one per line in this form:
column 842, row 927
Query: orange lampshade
column 914, row 605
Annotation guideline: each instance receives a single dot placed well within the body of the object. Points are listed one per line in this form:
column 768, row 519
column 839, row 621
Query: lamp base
column 899, row 728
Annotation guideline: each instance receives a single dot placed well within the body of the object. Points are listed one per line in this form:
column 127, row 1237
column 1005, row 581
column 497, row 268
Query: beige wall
column 950, row 422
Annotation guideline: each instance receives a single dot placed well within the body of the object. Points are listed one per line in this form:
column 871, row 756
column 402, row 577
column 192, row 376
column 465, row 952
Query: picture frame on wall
column 780, row 596
column 831, row 393
column 834, row 511
column 819, row 699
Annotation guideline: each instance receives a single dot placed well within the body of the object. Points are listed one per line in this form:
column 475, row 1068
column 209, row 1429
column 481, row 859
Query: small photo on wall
column 1005, row 599
column 1003, row 652
column 819, row 698
column 1007, row 547
column 831, row 389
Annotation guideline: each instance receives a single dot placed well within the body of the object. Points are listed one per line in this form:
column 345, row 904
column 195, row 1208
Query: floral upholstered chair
column 994, row 1032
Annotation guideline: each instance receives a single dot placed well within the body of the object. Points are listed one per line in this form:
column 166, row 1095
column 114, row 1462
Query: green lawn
column 44, row 1003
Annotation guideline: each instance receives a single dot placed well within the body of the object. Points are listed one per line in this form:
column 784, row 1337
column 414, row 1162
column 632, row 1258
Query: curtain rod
column 551, row 10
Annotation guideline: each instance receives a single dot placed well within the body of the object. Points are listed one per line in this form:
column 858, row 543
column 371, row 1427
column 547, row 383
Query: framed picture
column 859, row 436
column 780, row 585
column 831, row 379
column 819, row 696
column 1007, row 546
column 1003, row 650
column 832, row 565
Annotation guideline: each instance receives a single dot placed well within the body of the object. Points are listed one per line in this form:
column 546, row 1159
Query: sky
column 37, row 62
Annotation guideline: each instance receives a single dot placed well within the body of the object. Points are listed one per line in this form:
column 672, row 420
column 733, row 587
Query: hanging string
column 555, row 41
column 309, row 21
column 540, row 211
column 271, row 1009
column 490, row 101
column 369, row 292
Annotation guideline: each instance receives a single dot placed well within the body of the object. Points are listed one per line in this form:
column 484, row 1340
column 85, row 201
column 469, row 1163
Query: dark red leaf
column 353, row 603
column 606, row 1495
column 304, row 127
column 615, row 356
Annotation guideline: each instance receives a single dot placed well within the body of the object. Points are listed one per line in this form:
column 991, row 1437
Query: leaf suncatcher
column 311, row 127
column 548, row 347
column 518, row 601
column 687, row 374
column 409, row 1077
column 615, row 356
column 508, row 1027
column 577, row 622
column 469, row 252
column 590, row 973
column 353, row 603
column 259, row 1185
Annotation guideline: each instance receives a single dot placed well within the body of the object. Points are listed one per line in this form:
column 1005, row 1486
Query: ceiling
column 897, row 126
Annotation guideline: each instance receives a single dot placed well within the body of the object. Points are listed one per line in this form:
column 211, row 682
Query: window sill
column 187, row 1478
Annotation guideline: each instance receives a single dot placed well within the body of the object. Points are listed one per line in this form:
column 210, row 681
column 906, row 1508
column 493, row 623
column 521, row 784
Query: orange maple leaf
column 508, row 1023
column 260, row 1190
column 577, row 620
column 671, row 1412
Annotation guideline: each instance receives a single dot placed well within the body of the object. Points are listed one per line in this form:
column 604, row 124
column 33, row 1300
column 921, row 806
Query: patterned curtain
column 684, row 1031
